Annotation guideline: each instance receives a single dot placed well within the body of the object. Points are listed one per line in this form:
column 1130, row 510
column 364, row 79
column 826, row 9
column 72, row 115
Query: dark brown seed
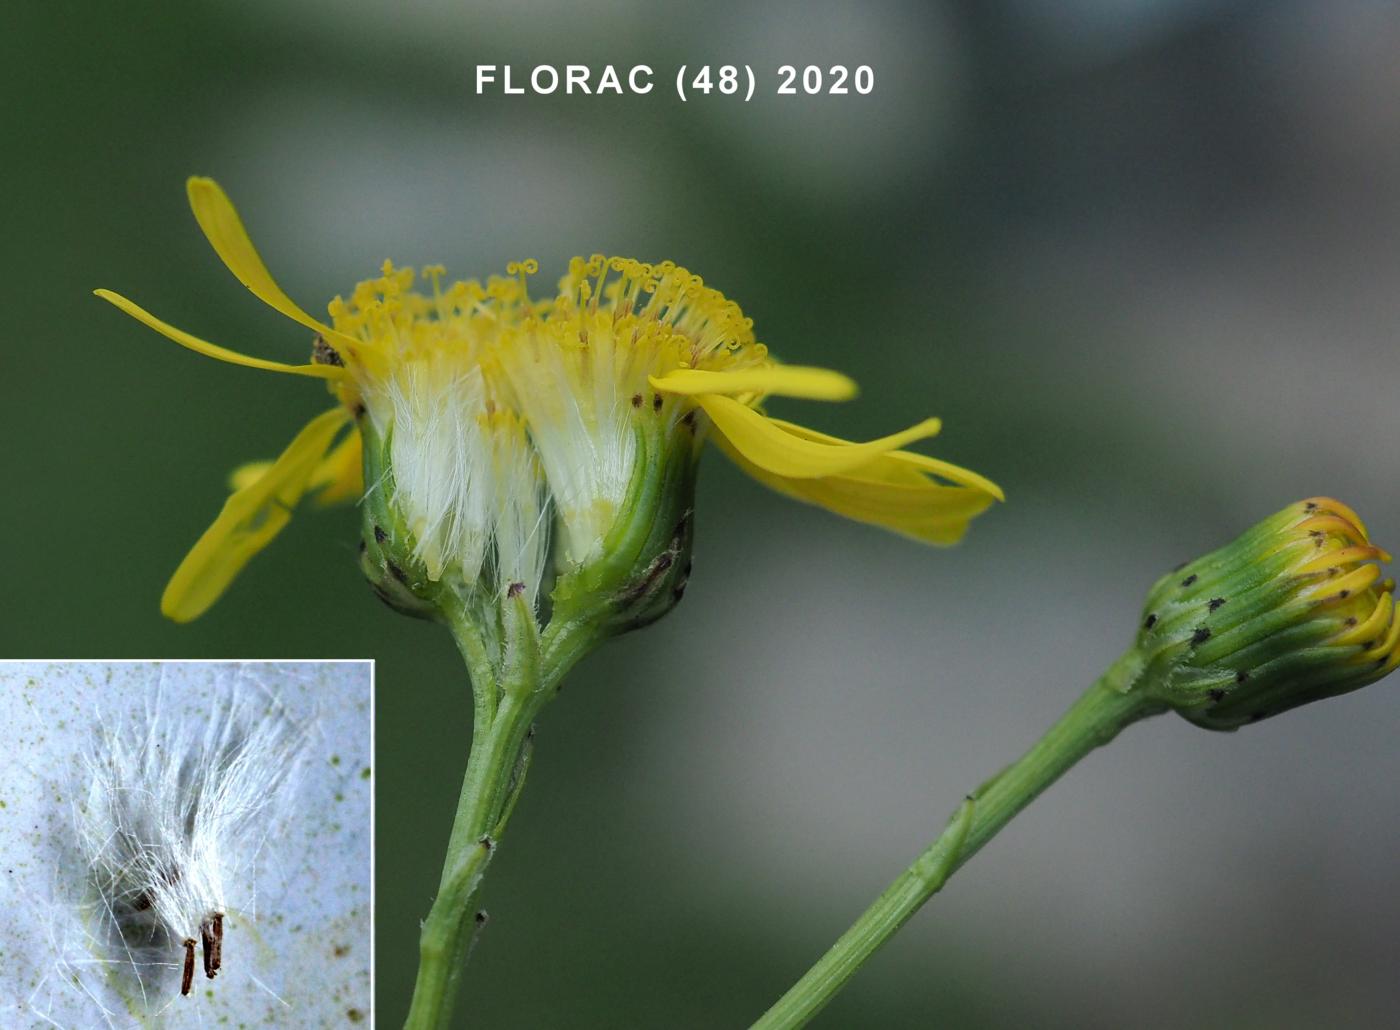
column 188, row 978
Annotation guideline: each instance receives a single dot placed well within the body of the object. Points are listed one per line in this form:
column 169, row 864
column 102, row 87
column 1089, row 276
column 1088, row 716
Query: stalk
column 1094, row 720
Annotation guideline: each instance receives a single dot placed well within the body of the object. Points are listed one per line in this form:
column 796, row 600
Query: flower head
column 510, row 442
column 1292, row 611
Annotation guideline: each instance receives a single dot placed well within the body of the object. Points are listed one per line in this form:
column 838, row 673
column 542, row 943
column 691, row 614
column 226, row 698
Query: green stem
column 504, row 708
column 495, row 773
column 1093, row 720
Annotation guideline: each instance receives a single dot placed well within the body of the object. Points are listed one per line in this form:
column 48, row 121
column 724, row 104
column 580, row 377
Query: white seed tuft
column 174, row 815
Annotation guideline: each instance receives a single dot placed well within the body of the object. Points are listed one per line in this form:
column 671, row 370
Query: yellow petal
column 927, row 512
column 248, row 522
column 213, row 350
column 818, row 384
column 1374, row 624
column 774, row 449
column 1341, row 556
column 904, row 466
column 1386, row 647
column 247, row 474
column 224, row 230
column 339, row 477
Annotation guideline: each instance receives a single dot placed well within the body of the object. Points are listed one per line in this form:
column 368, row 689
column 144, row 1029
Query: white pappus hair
column 442, row 465
column 172, row 815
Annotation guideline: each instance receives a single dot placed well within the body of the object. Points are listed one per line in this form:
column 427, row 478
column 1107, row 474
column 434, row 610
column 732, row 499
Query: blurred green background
column 1141, row 257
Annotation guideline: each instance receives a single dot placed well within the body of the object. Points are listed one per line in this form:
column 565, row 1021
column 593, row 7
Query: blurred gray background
column 1141, row 257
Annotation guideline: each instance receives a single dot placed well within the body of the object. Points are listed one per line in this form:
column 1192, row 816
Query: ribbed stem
column 504, row 710
column 1093, row 720
column 495, row 773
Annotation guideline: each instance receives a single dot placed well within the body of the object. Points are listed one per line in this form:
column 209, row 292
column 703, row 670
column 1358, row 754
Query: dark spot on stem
column 636, row 400
column 515, row 589
column 1215, row 602
column 1150, row 621
column 1201, row 635
column 1217, row 694
column 1189, row 580
column 379, row 535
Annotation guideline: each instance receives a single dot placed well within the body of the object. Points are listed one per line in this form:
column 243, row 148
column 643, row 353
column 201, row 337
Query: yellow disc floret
column 575, row 370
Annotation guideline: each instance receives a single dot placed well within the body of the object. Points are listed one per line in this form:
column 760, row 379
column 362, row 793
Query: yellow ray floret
column 251, row 517
column 902, row 466
column 773, row 449
column 213, row 350
column 918, row 508
column 224, row 230
column 815, row 384
column 338, row 478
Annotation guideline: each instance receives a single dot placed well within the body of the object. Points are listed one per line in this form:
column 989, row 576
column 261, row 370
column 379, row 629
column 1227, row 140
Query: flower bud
column 1292, row 611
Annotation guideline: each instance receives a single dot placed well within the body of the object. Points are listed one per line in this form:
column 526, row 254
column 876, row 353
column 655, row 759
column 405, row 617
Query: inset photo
column 185, row 844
